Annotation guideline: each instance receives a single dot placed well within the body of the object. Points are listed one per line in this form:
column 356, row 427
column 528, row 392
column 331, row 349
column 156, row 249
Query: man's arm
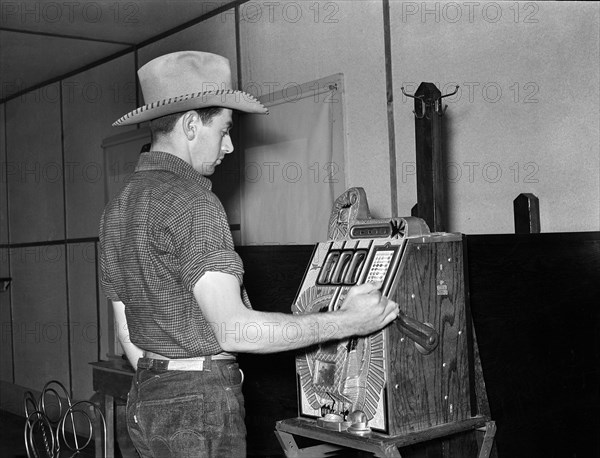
column 239, row 329
column 132, row 351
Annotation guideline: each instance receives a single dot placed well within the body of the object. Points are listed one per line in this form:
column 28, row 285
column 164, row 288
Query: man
column 175, row 281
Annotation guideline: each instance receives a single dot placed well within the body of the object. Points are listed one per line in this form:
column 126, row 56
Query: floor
column 12, row 443
column 11, row 435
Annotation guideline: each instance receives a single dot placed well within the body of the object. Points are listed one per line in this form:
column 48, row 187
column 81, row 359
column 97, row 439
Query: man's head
column 189, row 102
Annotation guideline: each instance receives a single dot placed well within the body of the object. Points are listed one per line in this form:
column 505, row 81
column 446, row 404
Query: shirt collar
column 159, row 160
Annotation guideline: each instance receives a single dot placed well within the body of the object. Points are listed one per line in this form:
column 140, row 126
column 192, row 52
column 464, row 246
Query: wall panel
column 6, row 344
column 92, row 101
column 3, row 185
column 6, row 357
column 83, row 315
column 216, row 35
column 525, row 118
column 290, row 43
column 40, row 322
column 34, row 155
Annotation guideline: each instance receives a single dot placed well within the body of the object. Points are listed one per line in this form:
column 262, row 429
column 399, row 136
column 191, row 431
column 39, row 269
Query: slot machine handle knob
column 425, row 337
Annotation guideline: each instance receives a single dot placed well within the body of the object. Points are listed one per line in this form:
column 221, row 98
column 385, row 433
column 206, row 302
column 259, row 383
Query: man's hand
column 365, row 310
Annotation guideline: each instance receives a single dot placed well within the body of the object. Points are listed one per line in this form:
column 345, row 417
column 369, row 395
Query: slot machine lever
column 425, row 337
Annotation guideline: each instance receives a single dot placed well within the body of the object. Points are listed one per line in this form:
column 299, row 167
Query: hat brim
column 235, row 100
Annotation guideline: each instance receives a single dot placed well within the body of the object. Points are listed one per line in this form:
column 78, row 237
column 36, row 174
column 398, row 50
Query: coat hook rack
column 425, row 104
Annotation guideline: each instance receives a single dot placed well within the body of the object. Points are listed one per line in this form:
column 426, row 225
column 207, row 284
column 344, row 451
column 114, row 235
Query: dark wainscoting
column 535, row 301
column 272, row 277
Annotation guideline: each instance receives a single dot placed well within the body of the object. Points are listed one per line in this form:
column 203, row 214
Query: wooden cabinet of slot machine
column 417, row 380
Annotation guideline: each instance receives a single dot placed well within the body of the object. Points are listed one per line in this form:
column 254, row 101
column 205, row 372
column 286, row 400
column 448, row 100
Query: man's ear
column 189, row 123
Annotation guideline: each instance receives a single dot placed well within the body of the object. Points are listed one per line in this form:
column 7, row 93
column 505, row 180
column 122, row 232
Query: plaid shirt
column 158, row 236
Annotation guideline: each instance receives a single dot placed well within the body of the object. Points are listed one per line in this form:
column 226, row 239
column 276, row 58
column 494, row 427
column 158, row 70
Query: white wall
column 292, row 45
column 526, row 116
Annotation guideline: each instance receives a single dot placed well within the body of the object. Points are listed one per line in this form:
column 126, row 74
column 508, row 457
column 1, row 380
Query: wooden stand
column 378, row 444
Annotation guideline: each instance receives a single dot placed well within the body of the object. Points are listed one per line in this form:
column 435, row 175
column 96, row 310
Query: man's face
column 212, row 143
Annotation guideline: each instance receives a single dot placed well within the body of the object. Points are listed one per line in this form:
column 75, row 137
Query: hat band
column 182, row 98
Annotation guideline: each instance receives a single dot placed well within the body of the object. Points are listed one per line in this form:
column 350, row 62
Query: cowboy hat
column 187, row 80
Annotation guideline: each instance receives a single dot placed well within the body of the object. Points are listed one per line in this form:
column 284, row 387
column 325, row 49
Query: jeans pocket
column 167, row 417
column 184, row 425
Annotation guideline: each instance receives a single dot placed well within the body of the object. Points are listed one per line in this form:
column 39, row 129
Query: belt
column 156, row 361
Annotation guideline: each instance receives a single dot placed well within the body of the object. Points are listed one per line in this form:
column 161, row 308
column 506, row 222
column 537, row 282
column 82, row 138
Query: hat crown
column 181, row 73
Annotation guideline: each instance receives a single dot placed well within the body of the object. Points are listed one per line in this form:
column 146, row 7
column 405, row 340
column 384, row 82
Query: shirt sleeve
column 205, row 244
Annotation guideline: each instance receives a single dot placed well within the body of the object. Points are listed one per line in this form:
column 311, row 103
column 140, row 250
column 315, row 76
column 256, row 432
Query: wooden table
column 111, row 379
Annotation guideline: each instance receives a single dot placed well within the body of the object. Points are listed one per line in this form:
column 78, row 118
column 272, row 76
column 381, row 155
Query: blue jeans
column 188, row 414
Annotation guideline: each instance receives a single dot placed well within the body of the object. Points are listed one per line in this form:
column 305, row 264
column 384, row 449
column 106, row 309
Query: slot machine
column 421, row 374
